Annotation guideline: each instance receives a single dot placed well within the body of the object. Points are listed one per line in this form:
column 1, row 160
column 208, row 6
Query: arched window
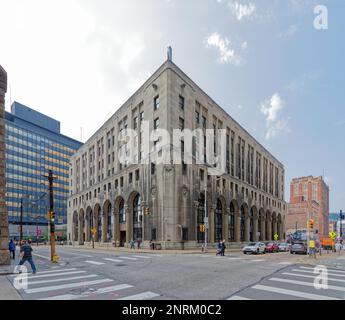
column 109, row 230
column 76, row 225
column 232, row 223
column 122, row 213
column 137, row 218
column 242, row 224
column 251, row 225
column 218, row 222
column 201, row 218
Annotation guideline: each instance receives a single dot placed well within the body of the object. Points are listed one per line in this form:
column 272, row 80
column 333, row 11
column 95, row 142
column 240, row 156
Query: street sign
column 332, row 235
column 312, row 244
column 94, row 230
column 276, row 237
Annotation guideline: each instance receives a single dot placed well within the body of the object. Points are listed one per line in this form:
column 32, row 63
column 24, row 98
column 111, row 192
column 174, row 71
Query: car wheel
column 258, row 251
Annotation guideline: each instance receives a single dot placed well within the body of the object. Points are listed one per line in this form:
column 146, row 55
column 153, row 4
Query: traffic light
column 147, row 210
column 311, row 223
column 202, row 228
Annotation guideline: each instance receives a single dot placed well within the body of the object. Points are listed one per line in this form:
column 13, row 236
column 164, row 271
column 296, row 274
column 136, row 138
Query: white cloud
column 244, row 45
column 293, row 29
column 271, row 108
column 240, row 10
column 226, row 52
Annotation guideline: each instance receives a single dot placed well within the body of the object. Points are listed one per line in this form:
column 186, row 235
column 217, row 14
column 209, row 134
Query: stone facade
column 4, row 253
column 244, row 204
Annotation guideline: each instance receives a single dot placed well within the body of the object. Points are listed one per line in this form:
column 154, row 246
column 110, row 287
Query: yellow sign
column 55, row 259
column 276, row 237
column 312, row 244
column 332, row 235
column 94, row 230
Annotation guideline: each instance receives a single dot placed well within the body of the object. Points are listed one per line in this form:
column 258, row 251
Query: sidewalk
column 332, row 259
column 7, row 291
column 126, row 250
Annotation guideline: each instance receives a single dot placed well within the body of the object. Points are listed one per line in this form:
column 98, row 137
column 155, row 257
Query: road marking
column 62, row 279
column 329, row 270
column 307, row 284
column 128, row 258
column 55, row 274
column 312, row 277
column 144, row 257
column 293, row 293
column 238, row 298
column 113, row 260
column 141, row 296
column 44, row 257
column 51, row 271
column 328, row 273
column 94, row 262
column 68, row 286
column 99, row 291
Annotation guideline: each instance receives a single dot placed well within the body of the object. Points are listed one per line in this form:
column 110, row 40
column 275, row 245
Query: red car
column 272, row 247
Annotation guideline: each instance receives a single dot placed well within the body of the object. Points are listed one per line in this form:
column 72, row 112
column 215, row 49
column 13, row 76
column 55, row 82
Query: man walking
column 223, row 248
column 12, row 248
column 26, row 255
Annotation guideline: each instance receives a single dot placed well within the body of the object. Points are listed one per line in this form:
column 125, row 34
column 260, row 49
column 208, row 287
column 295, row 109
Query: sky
column 263, row 61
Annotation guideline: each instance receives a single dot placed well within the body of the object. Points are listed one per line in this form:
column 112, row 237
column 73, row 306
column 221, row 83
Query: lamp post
column 340, row 224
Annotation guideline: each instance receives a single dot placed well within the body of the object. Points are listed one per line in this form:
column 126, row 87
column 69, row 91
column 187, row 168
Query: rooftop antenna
column 169, row 53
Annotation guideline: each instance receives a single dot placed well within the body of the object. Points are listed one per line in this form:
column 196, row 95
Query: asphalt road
column 88, row 274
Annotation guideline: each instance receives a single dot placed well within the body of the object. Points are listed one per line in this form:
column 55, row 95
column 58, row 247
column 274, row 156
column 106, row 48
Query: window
column 184, row 168
column 204, row 122
column 121, row 182
column 141, row 116
column 184, row 234
column 137, row 175
column 122, row 213
column 197, row 117
column 116, row 183
column 131, row 177
column 153, row 168
column 181, row 123
column 181, row 102
column 156, row 124
column 135, row 123
column 156, row 103
column 202, row 175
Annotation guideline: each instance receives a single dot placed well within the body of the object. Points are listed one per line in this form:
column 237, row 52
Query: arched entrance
column 75, row 226
column 268, row 226
column 200, row 218
column 89, row 224
column 232, row 229
column 137, row 218
column 107, row 220
column 120, row 209
column 251, row 225
column 98, row 223
column 81, row 237
column 218, row 222
column 243, row 217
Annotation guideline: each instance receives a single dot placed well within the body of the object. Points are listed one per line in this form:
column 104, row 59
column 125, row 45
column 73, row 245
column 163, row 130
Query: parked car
column 272, row 247
column 284, row 247
column 255, row 247
column 298, row 248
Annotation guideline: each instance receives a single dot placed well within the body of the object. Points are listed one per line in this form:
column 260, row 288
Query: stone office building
column 166, row 202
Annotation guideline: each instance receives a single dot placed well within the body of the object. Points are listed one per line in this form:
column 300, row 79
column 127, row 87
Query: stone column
column 263, row 229
column 194, row 222
column 269, row 229
column 211, row 225
column 81, row 229
column 226, row 225
column 255, row 229
column 116, row 227
column 247, row 228
column 129, row 223
column 238, row 226
column 88, row 229
column 4, row 229
column 275, row 227
column 104, row 226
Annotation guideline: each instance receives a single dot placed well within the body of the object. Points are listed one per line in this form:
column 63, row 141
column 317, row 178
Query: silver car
column 254, row 247
column 284, row 247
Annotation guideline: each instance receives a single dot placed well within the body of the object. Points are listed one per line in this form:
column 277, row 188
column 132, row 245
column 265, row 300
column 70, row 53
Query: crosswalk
column 76, row 284
column 298, row 283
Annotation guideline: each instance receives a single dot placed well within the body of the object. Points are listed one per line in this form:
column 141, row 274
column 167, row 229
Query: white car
column 255, row 247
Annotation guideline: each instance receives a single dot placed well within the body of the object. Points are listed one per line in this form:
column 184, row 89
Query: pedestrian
column 223, row 248
column 139, row 244
column 12, row 248
column 219, row 248
column 132, row 244
column 26, row 255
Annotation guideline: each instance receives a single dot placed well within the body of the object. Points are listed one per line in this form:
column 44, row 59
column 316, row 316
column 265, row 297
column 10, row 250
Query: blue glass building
column 34, row 145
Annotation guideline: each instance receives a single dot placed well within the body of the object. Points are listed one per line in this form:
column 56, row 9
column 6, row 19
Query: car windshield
column 283, row 244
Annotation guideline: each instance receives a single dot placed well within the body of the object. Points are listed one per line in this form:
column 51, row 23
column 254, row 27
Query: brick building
column 308, row 193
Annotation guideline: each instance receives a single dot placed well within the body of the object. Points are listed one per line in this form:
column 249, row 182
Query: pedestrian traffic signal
column 311, row 223
column 147, row 210
column 202, row 228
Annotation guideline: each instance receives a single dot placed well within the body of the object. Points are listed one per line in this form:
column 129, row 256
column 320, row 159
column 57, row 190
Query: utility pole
column 54, row 258
column 340, row 226
column 308, row 236
column 206, row 219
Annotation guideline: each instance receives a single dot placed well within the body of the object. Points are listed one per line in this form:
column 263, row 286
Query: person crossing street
column 26, row 255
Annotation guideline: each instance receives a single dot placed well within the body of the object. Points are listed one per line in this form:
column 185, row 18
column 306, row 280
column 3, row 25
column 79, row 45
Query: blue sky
column 262, row 61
